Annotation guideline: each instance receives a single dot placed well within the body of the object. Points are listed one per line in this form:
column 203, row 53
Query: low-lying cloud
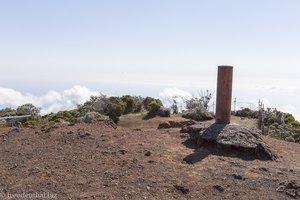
column 52, row 101
column 169, row 94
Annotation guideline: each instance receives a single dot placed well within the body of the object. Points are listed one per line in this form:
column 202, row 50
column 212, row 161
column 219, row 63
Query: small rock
column 290, row 184
column 148, row 188
column 279, row 172
column 238, row 177
column 219, row 188
column 147, row 153
column 292, row 193
column 280, row 189
column 34, row 170
column 182, row 189
column 263, row 169
column 123, row 152
column 70, row 132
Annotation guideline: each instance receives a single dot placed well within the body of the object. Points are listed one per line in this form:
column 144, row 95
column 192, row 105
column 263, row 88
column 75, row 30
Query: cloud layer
column 52, row 101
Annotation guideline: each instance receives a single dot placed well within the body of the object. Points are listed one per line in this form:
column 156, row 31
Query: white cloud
column 169, row 94
column 52, row 101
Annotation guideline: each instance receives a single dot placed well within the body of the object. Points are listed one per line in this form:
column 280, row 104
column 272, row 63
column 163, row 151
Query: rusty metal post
column 224, row 94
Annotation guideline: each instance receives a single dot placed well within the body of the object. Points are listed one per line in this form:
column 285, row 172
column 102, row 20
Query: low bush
column 8, row 112
column 198, row 115
column 157, row 111
column 3, row 123
column 69, row 116
column 163, row 112
column 91, row 117
column 32, row 122
column 247, row 112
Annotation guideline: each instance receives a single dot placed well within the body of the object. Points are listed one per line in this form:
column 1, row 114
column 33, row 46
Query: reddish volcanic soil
column 95, row 161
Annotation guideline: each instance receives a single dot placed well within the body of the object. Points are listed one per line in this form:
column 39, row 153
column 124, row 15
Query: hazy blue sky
column 55, row 44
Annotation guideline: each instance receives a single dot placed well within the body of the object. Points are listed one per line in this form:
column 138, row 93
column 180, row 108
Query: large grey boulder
column 233, row 136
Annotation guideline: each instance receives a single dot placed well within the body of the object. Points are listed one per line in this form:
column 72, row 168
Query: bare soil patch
column 137, row 161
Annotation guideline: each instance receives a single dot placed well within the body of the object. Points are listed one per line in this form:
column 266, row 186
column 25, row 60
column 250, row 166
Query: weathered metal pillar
column 224, row 94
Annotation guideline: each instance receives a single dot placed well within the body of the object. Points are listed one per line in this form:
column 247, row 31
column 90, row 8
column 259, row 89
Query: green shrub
column 3, row 123
column 138, row 104
column 296, row 124
column 129, row 104
column 32, row 122
column 148, row 100
column 246, row 112
column 115, row 110
column 8, row 112
column 69, row 116
column 288, row 118
column 93, row 117
column 197, row 115
column 290, row 139
column 154, row 106
column 28, row 109
column 163, row 112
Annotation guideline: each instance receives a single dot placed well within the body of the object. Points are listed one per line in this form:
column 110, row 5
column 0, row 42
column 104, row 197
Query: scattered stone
column 222, row 159
column 34, row 170
column 182, row 189
column 219, row 188
column 82, row 134
column 279, row 172
column 280, row 189
column 123, row 152
column 290, row 187
column 290, row 184
column 13, row 167
column 264, row 169
column 237, row 176
column 292, row 193
column 147, row 153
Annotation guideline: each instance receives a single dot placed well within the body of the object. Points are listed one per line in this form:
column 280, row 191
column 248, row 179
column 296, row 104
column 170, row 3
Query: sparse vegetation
column 98, row 108
column 281, row 125
column 155, row 108
column 28, row 109
column 198, row 114
column 197, row 108
column 246, row 112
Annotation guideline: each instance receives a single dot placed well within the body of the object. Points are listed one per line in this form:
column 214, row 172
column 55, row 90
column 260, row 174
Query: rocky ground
column 96, row 161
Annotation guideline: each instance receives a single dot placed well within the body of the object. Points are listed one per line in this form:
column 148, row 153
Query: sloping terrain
column 95, row 161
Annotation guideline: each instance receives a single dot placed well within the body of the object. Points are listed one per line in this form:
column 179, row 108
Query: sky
column 148, row 48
